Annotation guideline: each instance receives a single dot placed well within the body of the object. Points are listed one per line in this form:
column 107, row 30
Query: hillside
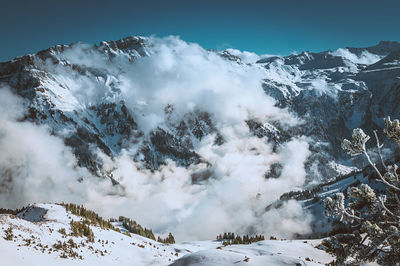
column 38, row 240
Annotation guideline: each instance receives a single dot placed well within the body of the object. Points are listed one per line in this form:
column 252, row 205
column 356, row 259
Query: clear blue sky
column 274, row 27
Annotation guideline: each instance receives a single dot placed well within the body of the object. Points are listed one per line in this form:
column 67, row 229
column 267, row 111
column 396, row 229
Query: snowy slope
column 117, row 248
column 268, row 252
column 36, row 230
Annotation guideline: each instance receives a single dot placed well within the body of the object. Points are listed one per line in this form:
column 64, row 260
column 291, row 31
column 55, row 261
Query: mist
column 36, row 166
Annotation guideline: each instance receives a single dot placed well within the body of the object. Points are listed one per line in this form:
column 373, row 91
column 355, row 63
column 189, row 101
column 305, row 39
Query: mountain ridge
column 134, row 46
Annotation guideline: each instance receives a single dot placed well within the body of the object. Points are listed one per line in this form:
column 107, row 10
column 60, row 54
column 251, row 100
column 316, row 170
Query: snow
column 268, row 252
column 40, row 224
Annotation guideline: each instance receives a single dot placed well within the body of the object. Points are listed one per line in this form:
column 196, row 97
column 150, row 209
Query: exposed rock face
column 333, row 92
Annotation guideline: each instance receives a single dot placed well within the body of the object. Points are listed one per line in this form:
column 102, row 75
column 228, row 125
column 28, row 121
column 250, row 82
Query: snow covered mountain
column 175, row 131
column 336, row 92
column 333, row 92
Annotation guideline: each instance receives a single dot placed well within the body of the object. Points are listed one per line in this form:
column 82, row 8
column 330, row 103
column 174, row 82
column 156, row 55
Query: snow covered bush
column 374, row 219
column 9, row 234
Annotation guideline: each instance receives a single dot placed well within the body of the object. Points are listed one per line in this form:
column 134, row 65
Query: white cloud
column 34, row 166
column 190, row 78
column 245, row 56
column 365, row 57
column 321, row 87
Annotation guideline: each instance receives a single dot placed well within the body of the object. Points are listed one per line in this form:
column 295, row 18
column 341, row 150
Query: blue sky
column 273, row 27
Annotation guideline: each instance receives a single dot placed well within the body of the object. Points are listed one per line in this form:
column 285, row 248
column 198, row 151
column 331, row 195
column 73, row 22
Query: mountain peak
column 383, row 48
column 127, row 44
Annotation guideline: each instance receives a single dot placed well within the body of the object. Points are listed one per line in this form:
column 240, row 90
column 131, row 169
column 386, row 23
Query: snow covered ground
column 38, row 228
column 268, row 252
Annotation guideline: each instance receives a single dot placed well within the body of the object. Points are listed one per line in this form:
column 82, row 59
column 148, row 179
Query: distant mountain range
column 332, row 91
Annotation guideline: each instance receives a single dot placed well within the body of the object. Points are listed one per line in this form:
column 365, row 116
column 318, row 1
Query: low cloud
column 34, row 165
column 364, row 58
column 321, row 87
column 235, row 193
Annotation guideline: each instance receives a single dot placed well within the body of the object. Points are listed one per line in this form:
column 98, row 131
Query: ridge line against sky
column 263, row 27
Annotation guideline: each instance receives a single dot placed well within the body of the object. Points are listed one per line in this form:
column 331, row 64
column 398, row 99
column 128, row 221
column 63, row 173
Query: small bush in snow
column 62, row 231
column 9, row 234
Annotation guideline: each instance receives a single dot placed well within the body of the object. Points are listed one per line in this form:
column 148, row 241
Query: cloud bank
column 235, row 193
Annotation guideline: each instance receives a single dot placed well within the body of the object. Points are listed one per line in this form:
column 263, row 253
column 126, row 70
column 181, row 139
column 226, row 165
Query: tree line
column 232, row 239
